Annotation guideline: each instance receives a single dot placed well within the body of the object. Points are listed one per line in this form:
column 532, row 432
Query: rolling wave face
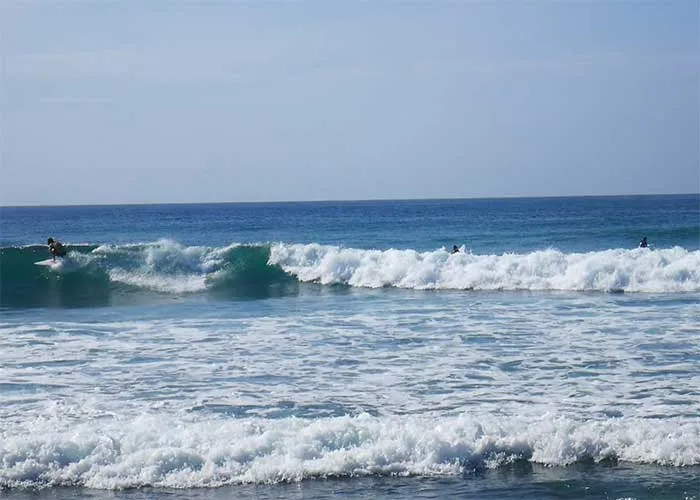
column 619, row 270
column 113, row 274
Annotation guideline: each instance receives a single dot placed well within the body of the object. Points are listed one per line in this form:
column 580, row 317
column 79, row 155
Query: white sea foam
column 193, row 451
column 182, row 283
column 167, row 266
column 345, row 384
column 637, row 270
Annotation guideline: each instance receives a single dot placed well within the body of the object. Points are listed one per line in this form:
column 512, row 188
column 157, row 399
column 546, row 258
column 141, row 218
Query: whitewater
column 318, row 350
column 168, row 267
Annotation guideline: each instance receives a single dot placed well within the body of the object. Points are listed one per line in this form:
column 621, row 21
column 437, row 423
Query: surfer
column 56, row 248
column 643, row 243
column 455, row 249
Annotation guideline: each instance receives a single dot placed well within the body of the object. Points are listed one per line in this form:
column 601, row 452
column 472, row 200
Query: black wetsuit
column 56, row 249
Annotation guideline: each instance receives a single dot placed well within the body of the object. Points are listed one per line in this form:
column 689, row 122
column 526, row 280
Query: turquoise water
column 314, row 350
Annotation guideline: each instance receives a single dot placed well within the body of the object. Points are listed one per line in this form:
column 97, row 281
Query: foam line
column 186, row 451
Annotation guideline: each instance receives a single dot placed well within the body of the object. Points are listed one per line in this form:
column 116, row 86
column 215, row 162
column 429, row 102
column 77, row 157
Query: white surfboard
column 47, row 263
column 60, row 264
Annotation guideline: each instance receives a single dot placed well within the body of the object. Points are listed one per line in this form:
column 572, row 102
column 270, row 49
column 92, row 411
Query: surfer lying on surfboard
column 56, row 248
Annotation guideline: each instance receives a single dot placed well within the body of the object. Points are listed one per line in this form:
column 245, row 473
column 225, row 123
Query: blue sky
column 146, row 102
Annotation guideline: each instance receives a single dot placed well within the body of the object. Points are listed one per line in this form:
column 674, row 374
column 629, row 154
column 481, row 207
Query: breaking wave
column 103, row 275
column 205, row 451
column 107, row 274
column 637, row 270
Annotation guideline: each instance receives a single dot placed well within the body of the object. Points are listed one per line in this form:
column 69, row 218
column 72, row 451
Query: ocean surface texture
column 340, row 350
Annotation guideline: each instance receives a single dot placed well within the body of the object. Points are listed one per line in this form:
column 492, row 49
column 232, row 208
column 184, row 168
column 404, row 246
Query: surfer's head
column 50, row 241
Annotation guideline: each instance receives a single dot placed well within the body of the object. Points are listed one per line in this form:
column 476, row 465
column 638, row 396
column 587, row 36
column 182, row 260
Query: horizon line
column 349, row 200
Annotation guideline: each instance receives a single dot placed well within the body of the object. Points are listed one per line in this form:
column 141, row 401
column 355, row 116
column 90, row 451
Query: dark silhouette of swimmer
column 455, row 249
column 643, row 243
column 56, row 248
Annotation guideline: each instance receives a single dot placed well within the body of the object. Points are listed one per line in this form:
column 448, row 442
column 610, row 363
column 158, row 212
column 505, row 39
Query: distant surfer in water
column 643, row 243
column 455, row 249
column 56, row 248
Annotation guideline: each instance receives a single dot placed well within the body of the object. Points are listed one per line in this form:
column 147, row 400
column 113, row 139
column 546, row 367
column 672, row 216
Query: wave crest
column 637, row 270
column 108, row 274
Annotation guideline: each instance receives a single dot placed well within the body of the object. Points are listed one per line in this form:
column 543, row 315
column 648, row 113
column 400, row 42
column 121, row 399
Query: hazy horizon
column 365, row 200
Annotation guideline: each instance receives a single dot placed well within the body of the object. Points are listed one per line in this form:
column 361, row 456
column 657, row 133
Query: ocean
column 341, row 350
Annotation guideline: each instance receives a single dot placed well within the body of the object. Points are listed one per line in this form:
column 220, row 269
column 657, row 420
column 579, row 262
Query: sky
column 241, row 101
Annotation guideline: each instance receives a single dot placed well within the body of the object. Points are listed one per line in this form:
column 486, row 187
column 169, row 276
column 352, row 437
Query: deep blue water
column 339, row 349
column 483, row 225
